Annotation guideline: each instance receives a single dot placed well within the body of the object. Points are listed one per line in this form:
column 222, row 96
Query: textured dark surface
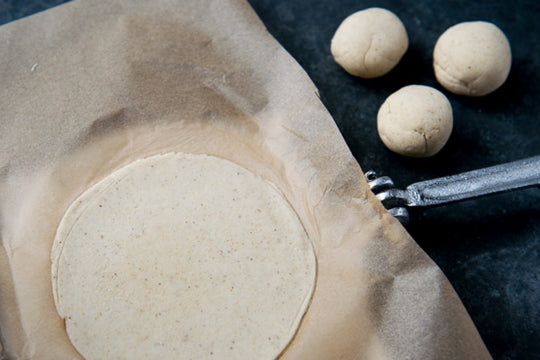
column 489, row 248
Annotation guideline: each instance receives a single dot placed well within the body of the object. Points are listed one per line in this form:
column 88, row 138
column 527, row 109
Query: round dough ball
column 369, row 43
column 472, row 58
column 415, row 121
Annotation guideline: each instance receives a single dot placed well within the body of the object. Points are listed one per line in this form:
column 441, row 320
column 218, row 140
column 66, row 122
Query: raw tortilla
column 182, row 256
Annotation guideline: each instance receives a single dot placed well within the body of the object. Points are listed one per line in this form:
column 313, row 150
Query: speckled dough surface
column 415, row 121
column 370, row 42
column 472, row 58
column 182, row 256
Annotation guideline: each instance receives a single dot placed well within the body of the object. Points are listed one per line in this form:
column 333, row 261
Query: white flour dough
column 369, row 43
column 415, row 121
column 182, row 256
column 472, row 58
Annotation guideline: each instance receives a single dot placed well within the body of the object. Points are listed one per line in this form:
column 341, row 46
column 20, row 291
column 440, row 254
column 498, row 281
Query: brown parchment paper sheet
column 90, row 86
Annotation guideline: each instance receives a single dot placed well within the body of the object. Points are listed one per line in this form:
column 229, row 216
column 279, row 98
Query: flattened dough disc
column 182, row 256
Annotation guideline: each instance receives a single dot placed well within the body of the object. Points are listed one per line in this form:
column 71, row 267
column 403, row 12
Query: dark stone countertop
column 488, row 248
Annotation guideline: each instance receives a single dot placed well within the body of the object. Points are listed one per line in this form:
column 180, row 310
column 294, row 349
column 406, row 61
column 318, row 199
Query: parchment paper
column 90, row 86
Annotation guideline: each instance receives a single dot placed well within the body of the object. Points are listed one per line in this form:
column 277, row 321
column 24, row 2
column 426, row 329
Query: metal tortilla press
column 468, row 185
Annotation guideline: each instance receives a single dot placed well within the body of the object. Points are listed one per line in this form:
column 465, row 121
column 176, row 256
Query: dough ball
column 472, row 58
column 369, row 43
column 415, row 121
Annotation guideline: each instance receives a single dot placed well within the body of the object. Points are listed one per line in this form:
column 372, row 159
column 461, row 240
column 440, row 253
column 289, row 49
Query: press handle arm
column 510, row 176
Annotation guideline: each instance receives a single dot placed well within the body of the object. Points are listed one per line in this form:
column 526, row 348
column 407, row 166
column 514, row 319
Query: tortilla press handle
column 468, row 185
